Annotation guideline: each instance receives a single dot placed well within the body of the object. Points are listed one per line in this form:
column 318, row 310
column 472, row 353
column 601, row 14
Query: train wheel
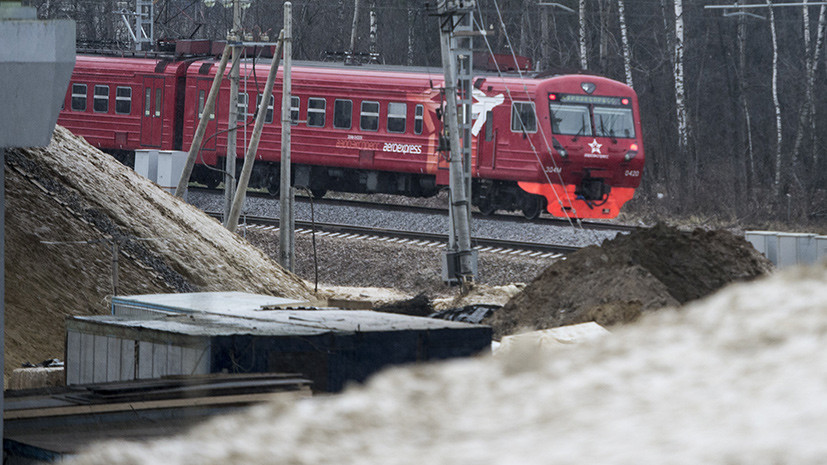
column 486, row 209
column 274, row 183
column 532, row 207
column 212, row 182
column 318, row 193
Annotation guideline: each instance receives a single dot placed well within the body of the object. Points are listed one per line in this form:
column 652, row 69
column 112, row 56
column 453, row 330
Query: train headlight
column 559, row 148
column 632, row 153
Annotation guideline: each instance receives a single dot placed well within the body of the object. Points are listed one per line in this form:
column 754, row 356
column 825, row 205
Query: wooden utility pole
column 250, row 156
column 232, row 120
column 206, row 115
column 286, row 221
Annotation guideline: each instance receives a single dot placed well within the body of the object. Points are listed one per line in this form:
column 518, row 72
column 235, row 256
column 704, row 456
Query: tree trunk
column 807, row 111
column 742, row 84
column 775, row 102
column 604, row 34
column 584, row 57
column 680, row 88
column 411, row 36
column 627, row 50
column 545, row 40
column 822, row 25
column 353, row 30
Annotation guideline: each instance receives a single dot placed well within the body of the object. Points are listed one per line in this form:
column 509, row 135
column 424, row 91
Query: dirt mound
column 66, row 204
column 631, row 274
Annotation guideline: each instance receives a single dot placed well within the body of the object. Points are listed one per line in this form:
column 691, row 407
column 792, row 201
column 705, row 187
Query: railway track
column 503, row 217
column 422, row 239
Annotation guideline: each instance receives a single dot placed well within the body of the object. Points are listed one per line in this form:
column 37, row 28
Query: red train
column 571, row 144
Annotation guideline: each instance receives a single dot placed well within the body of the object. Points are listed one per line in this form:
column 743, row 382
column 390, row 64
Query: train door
column 152, row 121
column 202, row 91
column 487, row 143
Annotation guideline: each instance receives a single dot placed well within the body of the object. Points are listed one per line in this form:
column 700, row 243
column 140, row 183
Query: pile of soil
column 643, row 271
column 65, row 206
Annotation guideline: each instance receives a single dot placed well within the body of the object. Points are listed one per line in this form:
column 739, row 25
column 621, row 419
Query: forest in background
column 733, row 106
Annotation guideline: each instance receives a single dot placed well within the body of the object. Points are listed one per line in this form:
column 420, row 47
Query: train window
column 158, row 102
column 316, row 112
column 614, row 122
column 123, row 100
column 147, row 102
column 78, row 97
column 397, row 115
column 369, row 120
column 523, row 118
column 419, row 112
column 295, row 104
column 572, row 120
column 268, row 117
column 100, row 102
column 342, row 114
column 241, row 106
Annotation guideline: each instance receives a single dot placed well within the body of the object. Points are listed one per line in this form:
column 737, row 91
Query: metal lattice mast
column 144, row 25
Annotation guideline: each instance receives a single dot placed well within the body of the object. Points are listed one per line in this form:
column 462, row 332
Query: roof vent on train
column 205, row 68
column 588, row 87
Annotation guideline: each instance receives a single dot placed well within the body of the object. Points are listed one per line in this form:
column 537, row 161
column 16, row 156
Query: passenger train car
column 570, row 144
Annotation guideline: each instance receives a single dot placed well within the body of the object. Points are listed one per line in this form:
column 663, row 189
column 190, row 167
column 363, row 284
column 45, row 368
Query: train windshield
column 586, row 118
column 572, row 120
column 614, row 122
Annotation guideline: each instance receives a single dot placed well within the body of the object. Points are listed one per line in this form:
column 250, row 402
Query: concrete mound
column 67, row 204
column 643, row 271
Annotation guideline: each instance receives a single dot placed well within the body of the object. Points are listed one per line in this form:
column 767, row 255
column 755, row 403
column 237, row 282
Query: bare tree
column 624, row 35
column 807, row 110
column 584, row 57
column 775, row 101
column 742, row 85
column 680, row 88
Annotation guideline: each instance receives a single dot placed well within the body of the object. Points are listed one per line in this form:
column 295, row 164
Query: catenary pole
column 461, row 255
column 250, row 155
column 206, row 115
column 286, row 222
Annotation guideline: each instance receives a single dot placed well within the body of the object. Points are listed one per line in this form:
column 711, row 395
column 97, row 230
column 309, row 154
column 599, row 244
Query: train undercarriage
column 487, row 195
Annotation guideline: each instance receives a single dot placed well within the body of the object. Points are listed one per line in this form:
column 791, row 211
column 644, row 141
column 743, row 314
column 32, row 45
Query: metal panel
column 795, row 249
column 787, row 250
column 100, row 357
column 146, row 164
column 174, row 361
column 144, row 360
column 159, row 360
column 87, row 358
column 821, row 247
column 113, row 359
column 128, row 359
column 73, row 361
column 765, row 242
column 807, row 249
column 170, row 165
column 195, row 361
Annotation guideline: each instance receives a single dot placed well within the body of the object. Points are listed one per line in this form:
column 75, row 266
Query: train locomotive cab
column 594, row 154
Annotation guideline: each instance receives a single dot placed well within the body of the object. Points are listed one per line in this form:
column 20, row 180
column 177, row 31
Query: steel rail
column 505, row 217
column 483, row 244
